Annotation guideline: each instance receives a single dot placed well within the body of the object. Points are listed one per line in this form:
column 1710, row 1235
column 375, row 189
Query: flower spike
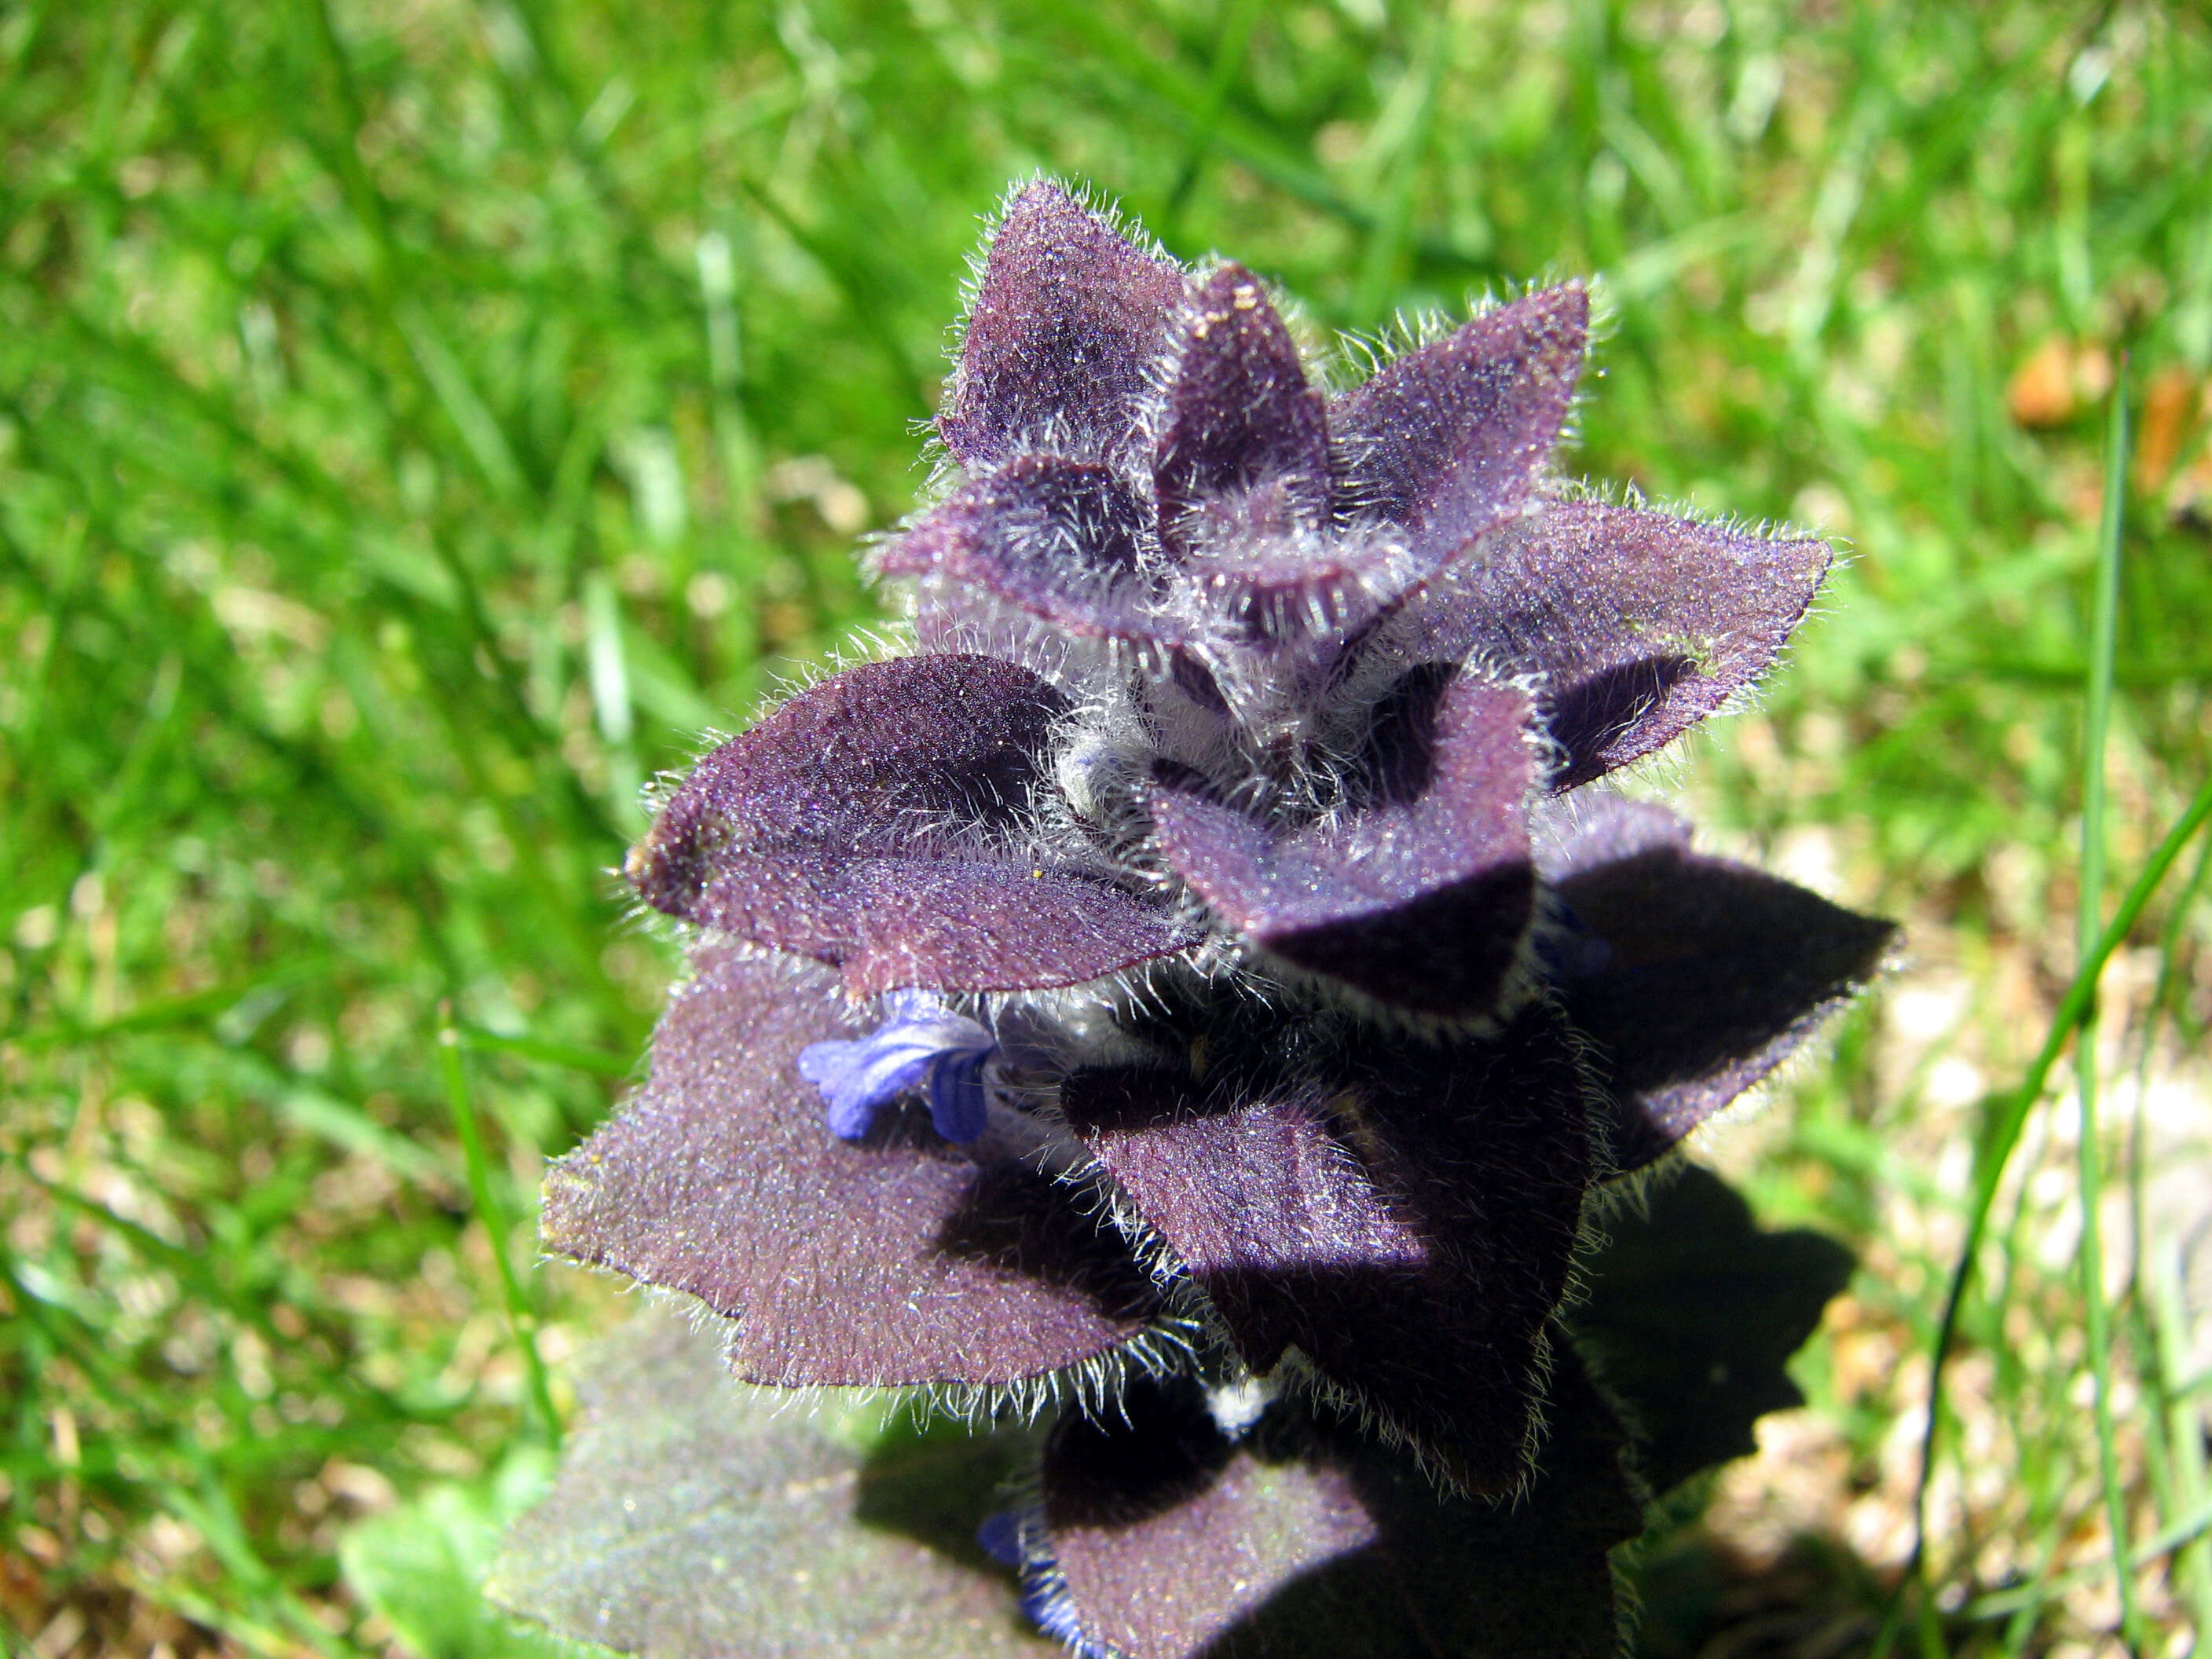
column 1198, row 987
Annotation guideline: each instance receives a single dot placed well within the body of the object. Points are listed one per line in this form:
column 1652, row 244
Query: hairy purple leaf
column 971, row 925
column 870, row 821
column 693, row 1517
column 1713, row 972
column 1421, row 894
column 1245, row 451
column 1406, row 1226
column 1167, row 1537
column 1526, row 1580
column 1259, row 592
column 1069, row 319
column 899, row 1260
column 1063, row 540
column 1638, row 625
column 1448, row 440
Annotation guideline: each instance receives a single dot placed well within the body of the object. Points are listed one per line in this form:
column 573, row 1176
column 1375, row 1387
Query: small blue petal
column 999, row 1537
column 958, row 1104
column 1037, row 1606
column 858, row 1078
column 920, row 1041
column 1049, row 1606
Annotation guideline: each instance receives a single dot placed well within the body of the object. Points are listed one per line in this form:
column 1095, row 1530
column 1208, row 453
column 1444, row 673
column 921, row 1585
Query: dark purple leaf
column 1406, row 1226
column 1070, row 324
column 900, row 1259
column 1304, row 1543
column 1245, row 451
column 1447, row 440
column 1167, row 1537
column 693, row 1517
column 1490, row 1142
column 1196, row 681
column 870, row 821
column 967, row 925
column 1713, row 972
column 1638, row 624
column 1063, row 540
column 1525, row 1580
column 1418, row 896
column 1689, row 1312
column 1583, row 832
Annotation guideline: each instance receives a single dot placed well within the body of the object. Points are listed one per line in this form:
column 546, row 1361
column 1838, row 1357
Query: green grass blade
column 2090, row 1260
column 597, row 1062
column 2166, row 1542
column 2011, row 1110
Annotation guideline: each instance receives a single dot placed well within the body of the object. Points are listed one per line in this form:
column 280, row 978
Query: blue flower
column 923, row 1044
column 999, row 1537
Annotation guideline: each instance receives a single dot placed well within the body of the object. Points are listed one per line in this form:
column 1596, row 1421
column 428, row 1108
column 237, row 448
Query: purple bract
column 1204, row 960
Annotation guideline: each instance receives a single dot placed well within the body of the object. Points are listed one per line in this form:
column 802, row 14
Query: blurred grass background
column 419, row 422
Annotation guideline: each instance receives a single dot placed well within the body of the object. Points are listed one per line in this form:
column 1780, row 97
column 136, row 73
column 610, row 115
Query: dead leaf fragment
column 2169, row 407
column 2057, row 380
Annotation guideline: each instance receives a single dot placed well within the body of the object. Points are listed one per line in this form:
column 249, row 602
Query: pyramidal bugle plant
column 1204, row 989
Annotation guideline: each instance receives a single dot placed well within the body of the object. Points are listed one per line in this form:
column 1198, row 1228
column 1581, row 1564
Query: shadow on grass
column 1702, row 1596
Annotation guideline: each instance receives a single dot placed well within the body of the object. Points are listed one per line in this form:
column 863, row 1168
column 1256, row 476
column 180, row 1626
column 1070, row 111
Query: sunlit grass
column 419, row 424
